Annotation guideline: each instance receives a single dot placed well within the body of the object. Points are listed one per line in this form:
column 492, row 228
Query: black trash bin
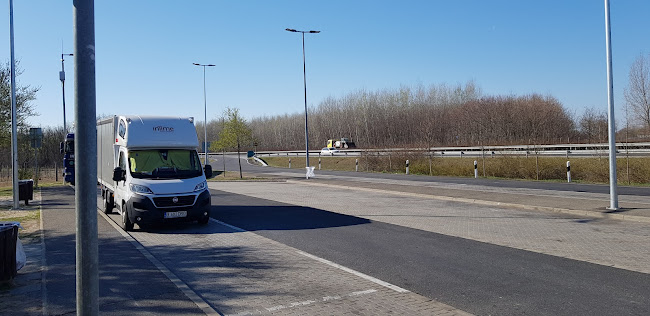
column 8, row 238
column 26, row 190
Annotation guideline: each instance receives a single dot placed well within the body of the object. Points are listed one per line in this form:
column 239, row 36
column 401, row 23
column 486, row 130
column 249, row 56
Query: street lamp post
column 205, row 115
column 62, row 77
column 611, row 122
column 304, row 77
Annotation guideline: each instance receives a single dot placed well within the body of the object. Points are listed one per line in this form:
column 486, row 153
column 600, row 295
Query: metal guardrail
column 559, row 150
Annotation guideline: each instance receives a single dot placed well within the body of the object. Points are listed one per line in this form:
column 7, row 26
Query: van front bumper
column 144, row 211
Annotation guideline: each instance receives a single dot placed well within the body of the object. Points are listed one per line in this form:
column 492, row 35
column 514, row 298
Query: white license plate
column 175, row 214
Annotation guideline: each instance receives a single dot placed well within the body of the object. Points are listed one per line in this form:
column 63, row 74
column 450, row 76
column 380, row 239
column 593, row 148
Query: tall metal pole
column 86, row 158
column 205, row 114
column 205, row 121
column 14, row 122
column 62, row 77
column 613, row 189
column 304, row 77
column 304, row 80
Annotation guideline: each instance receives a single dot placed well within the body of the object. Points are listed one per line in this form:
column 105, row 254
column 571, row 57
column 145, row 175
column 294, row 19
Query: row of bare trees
column 438, row 115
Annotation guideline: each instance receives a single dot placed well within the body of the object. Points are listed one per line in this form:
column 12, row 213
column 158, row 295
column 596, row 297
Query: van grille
column 168, row 201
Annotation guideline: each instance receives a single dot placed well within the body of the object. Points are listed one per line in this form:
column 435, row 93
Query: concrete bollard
column 407, row 167
column 475, row 169
column 289, row 163
column 568, row 171
column 356, row 165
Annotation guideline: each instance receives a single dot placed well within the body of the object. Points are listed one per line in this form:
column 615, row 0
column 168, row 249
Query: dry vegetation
column 590, row 170
column 28, row 215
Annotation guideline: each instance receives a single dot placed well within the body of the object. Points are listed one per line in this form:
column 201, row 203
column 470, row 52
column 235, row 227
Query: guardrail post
column 567, row 154
column 407, row 167
column 289, row 163
column 356, row 165
column 475, row 169
column 568, row 171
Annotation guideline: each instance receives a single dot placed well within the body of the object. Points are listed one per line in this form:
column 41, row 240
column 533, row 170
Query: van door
column 121, row 187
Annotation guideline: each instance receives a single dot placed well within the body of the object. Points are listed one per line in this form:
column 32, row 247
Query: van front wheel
column 126, row 223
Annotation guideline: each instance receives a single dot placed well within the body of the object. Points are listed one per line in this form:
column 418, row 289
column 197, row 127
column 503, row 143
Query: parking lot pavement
column 620, row 244
column 241, row 273
column 195, row 270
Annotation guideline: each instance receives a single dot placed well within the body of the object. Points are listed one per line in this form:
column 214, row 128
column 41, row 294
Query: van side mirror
column 207, row 169
column 119, row 174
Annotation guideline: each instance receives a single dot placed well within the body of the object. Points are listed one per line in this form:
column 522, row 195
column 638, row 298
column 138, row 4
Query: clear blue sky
column 145, row 51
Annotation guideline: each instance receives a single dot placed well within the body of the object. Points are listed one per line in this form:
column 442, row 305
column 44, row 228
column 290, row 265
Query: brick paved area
column 241, row 273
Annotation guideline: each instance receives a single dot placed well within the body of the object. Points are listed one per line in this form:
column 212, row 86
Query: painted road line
column 303, row 303
column 336, row 265
column 202, row 304
column 357, row 273
column 43, row 258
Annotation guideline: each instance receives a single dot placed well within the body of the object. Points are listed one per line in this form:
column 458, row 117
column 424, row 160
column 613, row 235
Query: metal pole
column 62, row 77
column 205, row 114
column 613, row 189
column 86, row 158
column 205, row 121
column 14, row 122
column 304, row 78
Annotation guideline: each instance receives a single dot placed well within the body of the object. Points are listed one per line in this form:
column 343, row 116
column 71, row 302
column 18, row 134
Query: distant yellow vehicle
column 344, row 143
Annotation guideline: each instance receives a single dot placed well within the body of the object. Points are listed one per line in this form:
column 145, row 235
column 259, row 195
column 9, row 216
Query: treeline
column 438, row 115
column 49, row 155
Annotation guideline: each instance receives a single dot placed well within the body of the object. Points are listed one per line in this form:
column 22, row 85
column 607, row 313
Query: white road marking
column 330, row 263
column 43, row 258
column 200, row 302
column 303, row 303
column 357, row 273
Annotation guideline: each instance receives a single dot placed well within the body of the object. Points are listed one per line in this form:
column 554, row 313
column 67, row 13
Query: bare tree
column 637, row 94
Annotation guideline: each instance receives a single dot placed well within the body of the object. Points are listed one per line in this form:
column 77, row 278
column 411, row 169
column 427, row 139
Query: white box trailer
column 149, row 170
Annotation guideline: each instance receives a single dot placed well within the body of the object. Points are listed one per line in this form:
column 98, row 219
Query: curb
column 633, row 218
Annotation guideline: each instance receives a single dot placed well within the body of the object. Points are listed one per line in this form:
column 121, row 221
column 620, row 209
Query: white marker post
column 356, row 165
column 475, row 169
column 407, row 167
column 568, row 171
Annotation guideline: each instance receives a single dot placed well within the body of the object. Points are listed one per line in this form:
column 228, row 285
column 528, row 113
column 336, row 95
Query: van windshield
column 164, row 164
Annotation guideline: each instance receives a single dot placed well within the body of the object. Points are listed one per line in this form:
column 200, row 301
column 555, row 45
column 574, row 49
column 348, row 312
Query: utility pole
column 14, row 128
column 613, row 185
column 62, row 78
column 86, row 158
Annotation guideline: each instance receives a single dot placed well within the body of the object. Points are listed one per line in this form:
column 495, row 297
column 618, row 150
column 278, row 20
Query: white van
column 149, row 170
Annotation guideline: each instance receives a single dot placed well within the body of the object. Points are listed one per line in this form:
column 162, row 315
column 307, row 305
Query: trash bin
column 26, row 190
column 8, row 239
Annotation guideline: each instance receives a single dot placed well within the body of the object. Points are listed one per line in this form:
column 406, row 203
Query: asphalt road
column 477, row 277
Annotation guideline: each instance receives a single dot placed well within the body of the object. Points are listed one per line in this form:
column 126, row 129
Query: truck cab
column 67, row 149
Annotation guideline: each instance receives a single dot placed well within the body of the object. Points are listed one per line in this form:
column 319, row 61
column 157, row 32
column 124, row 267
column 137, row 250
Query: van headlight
column 201, row 186
column 141, row 189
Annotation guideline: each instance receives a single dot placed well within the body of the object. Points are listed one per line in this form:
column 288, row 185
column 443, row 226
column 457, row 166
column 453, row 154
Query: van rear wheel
column 108, row 206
